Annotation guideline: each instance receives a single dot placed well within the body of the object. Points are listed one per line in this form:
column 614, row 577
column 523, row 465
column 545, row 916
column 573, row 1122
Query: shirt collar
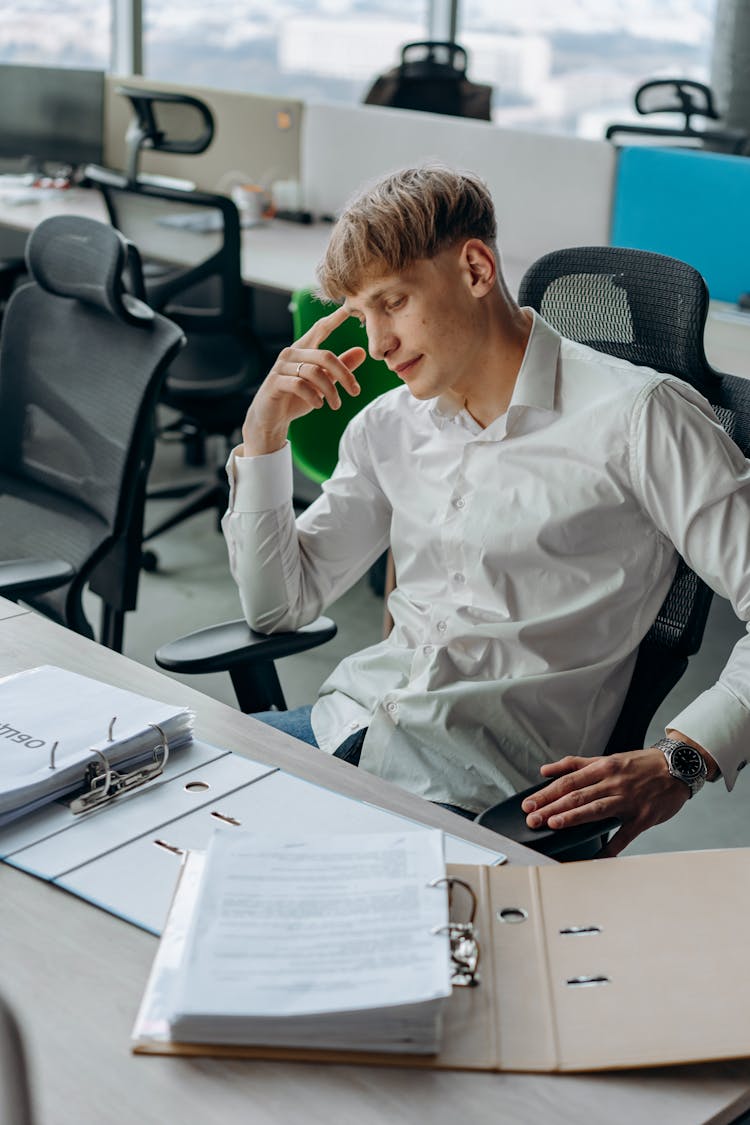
column 535, row 387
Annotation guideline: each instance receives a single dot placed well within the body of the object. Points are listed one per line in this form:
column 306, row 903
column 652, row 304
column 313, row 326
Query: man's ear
column 480, row 266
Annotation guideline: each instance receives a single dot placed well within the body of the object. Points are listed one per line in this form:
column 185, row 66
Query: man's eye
column 396, row 303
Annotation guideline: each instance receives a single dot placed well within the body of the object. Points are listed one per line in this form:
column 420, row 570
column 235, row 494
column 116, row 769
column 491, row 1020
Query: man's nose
column 381, row 340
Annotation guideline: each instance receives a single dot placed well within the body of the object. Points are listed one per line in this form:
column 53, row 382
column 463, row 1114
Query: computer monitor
column 51, row 114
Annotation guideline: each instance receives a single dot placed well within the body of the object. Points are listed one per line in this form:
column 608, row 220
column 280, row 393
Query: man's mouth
column 403, row 369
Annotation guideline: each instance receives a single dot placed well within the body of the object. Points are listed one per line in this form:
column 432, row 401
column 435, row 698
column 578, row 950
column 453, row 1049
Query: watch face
column 687, row 762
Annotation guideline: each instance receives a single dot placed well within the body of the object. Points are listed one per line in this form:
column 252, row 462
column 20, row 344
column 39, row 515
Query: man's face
column 423, row 323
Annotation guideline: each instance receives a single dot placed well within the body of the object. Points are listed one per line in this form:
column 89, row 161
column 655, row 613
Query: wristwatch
column 684, row 762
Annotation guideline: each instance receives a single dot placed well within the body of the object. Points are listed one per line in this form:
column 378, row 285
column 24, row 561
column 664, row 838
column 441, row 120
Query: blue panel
column 690, row 205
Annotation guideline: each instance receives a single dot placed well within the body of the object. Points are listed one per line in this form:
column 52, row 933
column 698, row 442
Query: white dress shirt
column 531, row 558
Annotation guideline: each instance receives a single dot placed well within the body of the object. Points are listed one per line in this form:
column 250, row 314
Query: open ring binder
column 462, row 936
column 105, row 783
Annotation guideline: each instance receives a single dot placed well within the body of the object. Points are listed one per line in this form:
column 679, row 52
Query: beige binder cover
column 629, row 962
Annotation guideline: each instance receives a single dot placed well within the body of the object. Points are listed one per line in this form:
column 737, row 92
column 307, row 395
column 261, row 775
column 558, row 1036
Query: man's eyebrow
column 373, row 299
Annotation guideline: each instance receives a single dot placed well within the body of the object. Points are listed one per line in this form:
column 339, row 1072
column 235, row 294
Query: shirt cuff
column 718, row 721
column 260, row 484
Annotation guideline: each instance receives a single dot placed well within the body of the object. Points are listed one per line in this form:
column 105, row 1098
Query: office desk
column 275, row 255
column 75, row 976
column 282, row 257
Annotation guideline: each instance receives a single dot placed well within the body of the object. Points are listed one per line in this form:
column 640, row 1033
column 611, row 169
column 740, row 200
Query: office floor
column 192, row 588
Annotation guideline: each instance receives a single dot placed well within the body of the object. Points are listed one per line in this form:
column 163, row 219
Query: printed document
column 329, row 941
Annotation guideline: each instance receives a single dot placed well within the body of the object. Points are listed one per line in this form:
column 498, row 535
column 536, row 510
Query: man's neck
column 492, row 390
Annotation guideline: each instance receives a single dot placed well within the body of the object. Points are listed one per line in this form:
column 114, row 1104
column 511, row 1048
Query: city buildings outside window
column 73, row 33
column 557, row 65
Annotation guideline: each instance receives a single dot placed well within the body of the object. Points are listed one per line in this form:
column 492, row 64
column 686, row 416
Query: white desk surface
column 283, row 256
column 275, row 255
column 75, row 976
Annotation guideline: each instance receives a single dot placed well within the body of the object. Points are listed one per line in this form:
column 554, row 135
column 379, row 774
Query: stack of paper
column 328, row 942
column 49, row 705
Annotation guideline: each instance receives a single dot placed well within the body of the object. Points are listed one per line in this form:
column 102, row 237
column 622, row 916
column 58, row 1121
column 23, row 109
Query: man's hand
column 301, row 380
column 635, row 786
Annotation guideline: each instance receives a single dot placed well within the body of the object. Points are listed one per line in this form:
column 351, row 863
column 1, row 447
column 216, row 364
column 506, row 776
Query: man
column 535, row 494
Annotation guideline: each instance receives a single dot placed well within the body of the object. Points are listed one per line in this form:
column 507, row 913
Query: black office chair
column 640, row 306
column 20, row 578
column 650, row 310
column 692, row 99
column 211, row 383
column 81, row 366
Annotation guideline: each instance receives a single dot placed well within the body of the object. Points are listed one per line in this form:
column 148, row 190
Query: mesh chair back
column 640, row 306
column 76, row 374
column 651, row 310
column 81, row 364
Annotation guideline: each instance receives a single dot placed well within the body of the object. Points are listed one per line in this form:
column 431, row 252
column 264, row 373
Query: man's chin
column 420, row 393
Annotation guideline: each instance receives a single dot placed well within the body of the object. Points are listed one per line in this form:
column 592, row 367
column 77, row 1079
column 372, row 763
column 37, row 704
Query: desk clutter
column 125, row 855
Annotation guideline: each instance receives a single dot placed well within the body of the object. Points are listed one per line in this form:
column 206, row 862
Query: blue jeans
column 297, row 723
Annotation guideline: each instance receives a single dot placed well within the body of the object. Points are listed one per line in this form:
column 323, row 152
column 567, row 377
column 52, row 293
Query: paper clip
column 462, row 937
column 106, row 783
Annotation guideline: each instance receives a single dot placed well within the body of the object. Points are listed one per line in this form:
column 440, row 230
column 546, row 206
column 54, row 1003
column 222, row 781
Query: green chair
column 315, row 437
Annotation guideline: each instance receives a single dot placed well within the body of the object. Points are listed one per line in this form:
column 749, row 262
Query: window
column 330, row 50
column 562, row 65
column 574, row 67
column 56, row 32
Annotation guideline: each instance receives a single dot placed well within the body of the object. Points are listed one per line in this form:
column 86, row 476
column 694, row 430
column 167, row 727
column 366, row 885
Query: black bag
column 435, row 81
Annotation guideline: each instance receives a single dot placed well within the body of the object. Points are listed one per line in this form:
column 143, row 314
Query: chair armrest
column 508, row 818
column 220, row 648
column 23, row 577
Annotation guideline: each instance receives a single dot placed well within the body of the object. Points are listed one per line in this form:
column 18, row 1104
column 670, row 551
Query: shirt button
column 391, row 707
column 353, row 726
column 459, row 578
column 428, row 650
column 460, row 502
column 441, row 626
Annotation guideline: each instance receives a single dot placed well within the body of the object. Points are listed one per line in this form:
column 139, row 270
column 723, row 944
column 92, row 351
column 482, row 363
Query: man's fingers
column 303, row 361
column 564, row 765
column 322, row 329
column 571, row 774
column 305, row 373
column 353, row 357
column 307, row 392
column 579, row 807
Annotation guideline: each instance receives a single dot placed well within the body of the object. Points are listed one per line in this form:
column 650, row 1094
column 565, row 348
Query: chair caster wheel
column 149, row 561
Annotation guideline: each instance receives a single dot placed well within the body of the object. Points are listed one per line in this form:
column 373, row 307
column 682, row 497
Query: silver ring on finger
column 299, row 369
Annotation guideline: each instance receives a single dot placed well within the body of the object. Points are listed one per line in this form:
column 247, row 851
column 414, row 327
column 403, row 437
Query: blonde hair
column 412, row 214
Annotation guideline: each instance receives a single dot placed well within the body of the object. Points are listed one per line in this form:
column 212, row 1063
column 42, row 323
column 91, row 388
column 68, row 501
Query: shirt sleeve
column 695, row 484
column 287, row 571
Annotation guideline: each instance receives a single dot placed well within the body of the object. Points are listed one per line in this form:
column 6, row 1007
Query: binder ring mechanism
column 105, row 783
column 462, row 936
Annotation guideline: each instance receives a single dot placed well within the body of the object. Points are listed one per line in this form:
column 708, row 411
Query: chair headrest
column 72, row 256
